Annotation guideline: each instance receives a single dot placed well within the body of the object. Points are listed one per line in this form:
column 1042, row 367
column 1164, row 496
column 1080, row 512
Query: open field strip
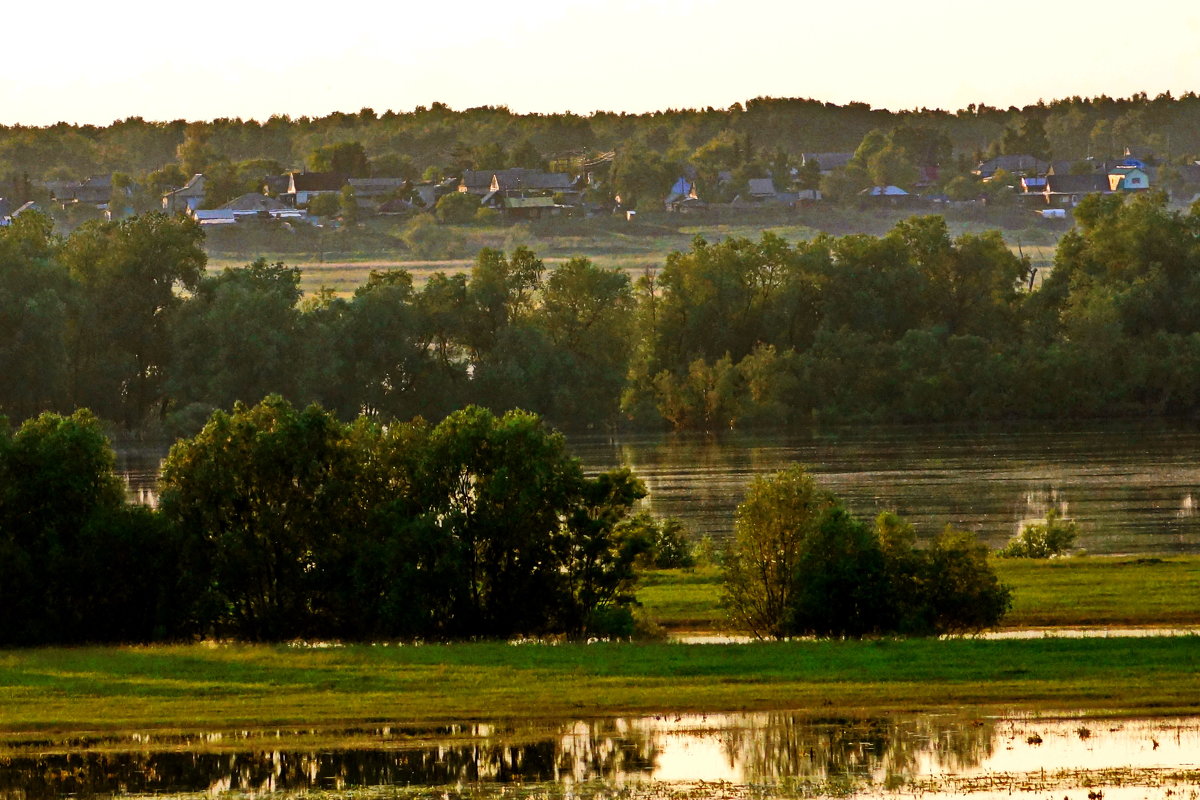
column 189, row 687
column 1111, row 591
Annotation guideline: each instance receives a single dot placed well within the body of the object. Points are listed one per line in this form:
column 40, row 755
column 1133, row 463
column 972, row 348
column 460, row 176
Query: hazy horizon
column 87, row 64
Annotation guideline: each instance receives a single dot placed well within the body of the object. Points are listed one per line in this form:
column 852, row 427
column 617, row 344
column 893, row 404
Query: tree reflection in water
column 765, row 747
column 769, row 747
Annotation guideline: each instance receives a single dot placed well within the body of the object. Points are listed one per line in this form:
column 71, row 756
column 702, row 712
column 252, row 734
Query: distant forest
column 755, row 139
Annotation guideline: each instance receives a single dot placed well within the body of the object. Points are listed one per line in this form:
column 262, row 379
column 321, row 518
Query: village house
column 369, row 193
column 246, row 208
column 1066, row 191
column 95, row 190
column 185, row 199
column 827, row 162
column 304, row 186
column 1128, row 178
column 1017, row 164
column 683, row 197
column 517, row 181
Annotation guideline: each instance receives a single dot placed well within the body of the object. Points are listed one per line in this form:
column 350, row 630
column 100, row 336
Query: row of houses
column 1041, row 183
column 514, row 192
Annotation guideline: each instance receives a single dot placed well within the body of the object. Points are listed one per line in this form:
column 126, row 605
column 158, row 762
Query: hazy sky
column 96, row 62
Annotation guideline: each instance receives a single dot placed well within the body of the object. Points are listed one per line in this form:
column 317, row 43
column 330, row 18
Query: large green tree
column 268, row 500
column 129, row 274
column 36, row 297
column 238, row 337
column 771, row 530
column 76, row 563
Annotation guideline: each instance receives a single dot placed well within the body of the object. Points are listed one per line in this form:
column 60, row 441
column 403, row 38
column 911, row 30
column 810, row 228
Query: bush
column 325, row 205
column 426, row 239
column 456, row 208
column 800, row 564
column 660, row 544
column 1052, row 537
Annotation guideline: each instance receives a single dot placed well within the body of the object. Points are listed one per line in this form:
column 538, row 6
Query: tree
column 1027, row 139
column 36, row 297
column 891, row 166
column 501, row 290
column 961, row 591
column 389, row 367
column 76, row 563
column 120, row 196
column 771, row 529
column 526, row 155
column 128, row 273
column 325, row 204
column 238, row 337
column 344, row 158
column 196, row 152
column 456, row 207
column 535, row 538
column 586, row 312
column 840, row 585
column 641, row 177
column 348, row 207
column 268, row 500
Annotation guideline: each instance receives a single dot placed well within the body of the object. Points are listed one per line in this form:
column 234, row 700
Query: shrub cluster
column 800, row 564
column 1054, row 536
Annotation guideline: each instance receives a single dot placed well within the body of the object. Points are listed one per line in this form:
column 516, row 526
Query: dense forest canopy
column 917, row 325
column 441, row 141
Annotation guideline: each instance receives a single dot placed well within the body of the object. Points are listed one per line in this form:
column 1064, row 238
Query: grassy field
column 63, row 692
column 343, row 263
column 68, row 691
column 1068, row 592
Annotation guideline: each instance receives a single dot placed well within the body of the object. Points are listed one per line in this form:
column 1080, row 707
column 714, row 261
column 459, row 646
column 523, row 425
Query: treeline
column 912, row 326
column 278, row 523
column 760, row 137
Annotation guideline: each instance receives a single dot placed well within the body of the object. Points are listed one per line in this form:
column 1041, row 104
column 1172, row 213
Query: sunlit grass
column 198, row 686
column 1066, row 592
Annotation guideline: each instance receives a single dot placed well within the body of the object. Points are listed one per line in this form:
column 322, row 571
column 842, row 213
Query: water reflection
column 1131, row 485
column 758, row 749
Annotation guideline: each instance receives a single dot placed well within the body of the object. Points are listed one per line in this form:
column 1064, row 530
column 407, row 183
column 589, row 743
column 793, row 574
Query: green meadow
column 1113, row 591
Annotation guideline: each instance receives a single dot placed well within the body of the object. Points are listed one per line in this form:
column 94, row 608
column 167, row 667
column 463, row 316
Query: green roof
column 529, row 202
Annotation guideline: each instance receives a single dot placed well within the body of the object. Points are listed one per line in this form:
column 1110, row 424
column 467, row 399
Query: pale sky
column 164, row 59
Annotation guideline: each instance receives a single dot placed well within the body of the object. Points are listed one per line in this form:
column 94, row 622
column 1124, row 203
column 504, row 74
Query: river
column 1134, row 487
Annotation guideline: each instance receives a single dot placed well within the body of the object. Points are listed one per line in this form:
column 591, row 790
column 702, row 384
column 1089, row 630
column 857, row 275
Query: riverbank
column 71, row 692
column 1076, row 592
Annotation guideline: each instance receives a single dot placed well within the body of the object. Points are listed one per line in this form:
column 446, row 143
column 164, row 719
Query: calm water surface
column 653, row 756
column 1135, row 488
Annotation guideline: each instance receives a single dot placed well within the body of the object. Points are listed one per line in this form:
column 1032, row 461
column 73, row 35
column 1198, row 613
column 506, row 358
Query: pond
column 759, row 754
column 1133, row 486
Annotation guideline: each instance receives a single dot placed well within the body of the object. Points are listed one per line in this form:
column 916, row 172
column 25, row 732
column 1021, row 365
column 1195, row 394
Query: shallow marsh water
column 761, row 754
